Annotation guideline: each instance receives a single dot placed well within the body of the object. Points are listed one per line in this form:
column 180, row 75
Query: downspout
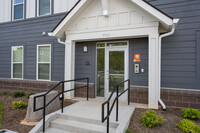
column 59, row 41
column 175, row 22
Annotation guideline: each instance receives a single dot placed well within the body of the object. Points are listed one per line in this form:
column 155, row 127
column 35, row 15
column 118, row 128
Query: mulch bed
column 13, row 117
column 172, row 116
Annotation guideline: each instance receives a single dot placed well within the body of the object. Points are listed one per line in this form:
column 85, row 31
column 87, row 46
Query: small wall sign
column 137, row 58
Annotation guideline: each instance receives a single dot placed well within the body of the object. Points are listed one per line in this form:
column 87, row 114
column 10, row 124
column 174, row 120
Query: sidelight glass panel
column 116, row 69
column 44, row 7
column 43, row 71
column 44, row 54
column 117, row 44
column 18, row 11
column 99, row 45
column 100, row 72
column 17, row 54
column 18, row 1
column 17, row 70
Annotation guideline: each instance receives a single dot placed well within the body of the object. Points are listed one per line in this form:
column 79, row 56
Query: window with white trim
column 17, row 62
column 44, row 62
column 18, row 9
column 44, row 7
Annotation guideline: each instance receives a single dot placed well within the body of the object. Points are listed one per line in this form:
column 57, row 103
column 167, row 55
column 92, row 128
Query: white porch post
column 69, row 67
column 154, row 63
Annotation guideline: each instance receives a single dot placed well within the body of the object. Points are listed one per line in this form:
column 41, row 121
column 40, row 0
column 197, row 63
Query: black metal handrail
column 63, row 91
column 116, row 100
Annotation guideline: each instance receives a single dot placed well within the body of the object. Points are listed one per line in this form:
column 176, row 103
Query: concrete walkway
column 87, row 113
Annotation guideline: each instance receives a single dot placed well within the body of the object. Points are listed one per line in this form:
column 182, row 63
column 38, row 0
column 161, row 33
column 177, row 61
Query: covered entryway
column 99, row 20
column 112, row 67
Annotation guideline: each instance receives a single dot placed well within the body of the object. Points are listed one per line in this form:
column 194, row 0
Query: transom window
column 44, row 62
column 17, row 62
column 44, row 7
column 18, row 9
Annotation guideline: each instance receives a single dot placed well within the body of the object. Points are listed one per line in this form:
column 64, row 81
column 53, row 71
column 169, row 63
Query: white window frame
column 17, row 62
column 43, row 63
column 13, row 10
column 38, row 9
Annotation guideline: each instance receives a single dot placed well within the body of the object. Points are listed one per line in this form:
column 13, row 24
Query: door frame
column 126, row 63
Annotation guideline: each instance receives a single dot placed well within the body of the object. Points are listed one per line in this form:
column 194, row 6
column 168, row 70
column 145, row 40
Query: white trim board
column 45, row 62
column 59, row 31
column 17, row 62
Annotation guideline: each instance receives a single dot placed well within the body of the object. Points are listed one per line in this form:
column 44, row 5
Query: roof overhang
column 166, row 22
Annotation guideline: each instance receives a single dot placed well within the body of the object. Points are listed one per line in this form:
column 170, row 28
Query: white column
column 69, row 67
column 154, row 63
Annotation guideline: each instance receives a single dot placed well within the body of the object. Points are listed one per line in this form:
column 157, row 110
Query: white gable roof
column 59, row 30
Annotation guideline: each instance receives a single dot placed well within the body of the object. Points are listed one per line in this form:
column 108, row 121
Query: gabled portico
column 98, row 20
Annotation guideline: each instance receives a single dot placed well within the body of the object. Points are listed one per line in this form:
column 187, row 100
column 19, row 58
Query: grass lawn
column 1, row 114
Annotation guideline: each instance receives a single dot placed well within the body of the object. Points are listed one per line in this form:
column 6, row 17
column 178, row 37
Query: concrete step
column 76, row 126
column 87, row 120
column 55, row 130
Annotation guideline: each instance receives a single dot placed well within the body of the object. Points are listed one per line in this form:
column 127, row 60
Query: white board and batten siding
column 63, row 5
column 59, row 7
column 5, row 10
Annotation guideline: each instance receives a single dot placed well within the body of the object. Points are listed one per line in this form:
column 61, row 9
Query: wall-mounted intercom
column 137, row 68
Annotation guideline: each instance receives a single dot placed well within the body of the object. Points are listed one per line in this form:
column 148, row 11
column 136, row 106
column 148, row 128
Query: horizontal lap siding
column 180, row 52
column 81, row 69
column 138, row 46
column 28, row 33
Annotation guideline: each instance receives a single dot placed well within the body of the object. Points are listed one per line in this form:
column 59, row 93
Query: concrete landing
column 85, row 117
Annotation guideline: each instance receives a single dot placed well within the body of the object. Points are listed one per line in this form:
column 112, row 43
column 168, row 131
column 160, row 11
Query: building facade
column 108, row 46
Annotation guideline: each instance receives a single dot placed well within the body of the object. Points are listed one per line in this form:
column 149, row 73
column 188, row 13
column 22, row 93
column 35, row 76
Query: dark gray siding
column 138, row 46
column 180, row 61
column 81, row 69
column 29, row 34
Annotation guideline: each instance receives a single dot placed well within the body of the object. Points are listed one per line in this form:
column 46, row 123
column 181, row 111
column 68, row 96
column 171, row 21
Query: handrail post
column 129, row 92
column 44, row 112
column 87, row 88
column 102, row 113
column 108, row 116
column 117, row 103
column 62, row 96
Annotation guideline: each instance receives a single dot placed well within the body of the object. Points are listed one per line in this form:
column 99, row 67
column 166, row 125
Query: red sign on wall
column 137, row 58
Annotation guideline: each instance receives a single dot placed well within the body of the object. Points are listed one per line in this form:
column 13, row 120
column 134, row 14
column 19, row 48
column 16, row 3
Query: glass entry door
column 112, row 68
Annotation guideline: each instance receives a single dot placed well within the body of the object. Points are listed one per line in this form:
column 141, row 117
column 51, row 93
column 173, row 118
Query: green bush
column 150, row 119
column 128, row 131
column 18, row 104
column 1, row 114
column 29, row 94
column 191, row 113
column 188, row 126
column 4, row 92
column 18, row 93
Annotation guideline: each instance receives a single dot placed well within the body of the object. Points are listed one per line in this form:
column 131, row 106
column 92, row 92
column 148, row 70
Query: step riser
column 97, row 122
column 74, row 128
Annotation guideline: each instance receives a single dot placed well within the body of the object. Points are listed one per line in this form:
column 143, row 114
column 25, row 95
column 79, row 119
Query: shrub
column 188, row 126
column 18, row 104
column 191, row 113
column 128, row 131
column 4, row 92
column 18, row 93
column 29, row 94
column 1, row 114
column 150, row 119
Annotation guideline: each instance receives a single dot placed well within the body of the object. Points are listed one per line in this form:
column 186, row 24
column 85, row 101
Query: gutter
column 175, row 22
column 59, row 40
